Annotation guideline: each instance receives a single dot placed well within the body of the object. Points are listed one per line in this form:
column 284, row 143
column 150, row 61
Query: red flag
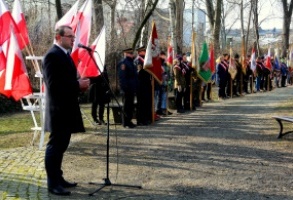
column 2, row 59
column 268, row 63
column 67, row 19
column 18, row 16
column 6, row 22
column 75, row 50
column 86, row 66
column 14, row 80
column 83, row 17
column 170, row 55
column 81, row 26
column 152, row 62
column 212, row 58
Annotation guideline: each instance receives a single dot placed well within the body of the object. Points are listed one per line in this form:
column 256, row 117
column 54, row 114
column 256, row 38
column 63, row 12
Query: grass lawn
column 15, row 129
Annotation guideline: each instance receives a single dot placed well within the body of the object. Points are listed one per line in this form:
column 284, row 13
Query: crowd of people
column 189, row 90
column 265, row 75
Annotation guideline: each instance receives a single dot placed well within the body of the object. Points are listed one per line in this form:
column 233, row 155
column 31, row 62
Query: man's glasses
column 69, row 36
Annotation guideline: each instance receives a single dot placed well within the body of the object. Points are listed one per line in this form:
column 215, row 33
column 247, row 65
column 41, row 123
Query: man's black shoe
column 130, row 125
column 59, row 190
column 181, row 111
column 67, row 184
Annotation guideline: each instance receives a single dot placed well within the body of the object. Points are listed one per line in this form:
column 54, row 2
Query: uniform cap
column 128, row 50
column 142, row 48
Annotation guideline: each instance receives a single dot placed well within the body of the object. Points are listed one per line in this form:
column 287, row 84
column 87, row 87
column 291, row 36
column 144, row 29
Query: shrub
column 8, row 105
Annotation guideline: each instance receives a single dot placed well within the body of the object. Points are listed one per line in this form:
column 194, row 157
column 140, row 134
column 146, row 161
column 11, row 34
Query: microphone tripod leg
column 107, row 181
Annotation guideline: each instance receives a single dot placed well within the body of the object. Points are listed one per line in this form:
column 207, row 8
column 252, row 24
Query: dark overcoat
column 62, row 111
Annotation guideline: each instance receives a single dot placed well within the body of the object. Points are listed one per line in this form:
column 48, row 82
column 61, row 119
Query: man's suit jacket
column 62, row 113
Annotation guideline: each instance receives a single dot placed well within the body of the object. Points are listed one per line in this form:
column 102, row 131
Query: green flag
column 205, row 73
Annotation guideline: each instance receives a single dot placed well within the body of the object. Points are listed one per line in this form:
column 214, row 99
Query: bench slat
column 285, row 118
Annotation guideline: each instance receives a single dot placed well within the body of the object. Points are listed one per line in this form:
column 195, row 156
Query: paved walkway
column 22, row 174
column 221, row 141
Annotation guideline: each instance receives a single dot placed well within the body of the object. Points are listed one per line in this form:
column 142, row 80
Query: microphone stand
column 107, row 179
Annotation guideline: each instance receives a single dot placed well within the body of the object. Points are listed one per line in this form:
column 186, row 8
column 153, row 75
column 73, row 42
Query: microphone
column 84, row 47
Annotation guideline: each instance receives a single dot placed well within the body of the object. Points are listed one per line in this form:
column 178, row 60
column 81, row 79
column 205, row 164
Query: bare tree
column 98, row 16
column 58, row 9
column 256, row 24
column 214, row 15
column 287, row 14
column 150, row 7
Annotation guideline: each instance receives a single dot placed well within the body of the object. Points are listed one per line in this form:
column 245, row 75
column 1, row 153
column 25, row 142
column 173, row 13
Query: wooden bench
column 280, row 119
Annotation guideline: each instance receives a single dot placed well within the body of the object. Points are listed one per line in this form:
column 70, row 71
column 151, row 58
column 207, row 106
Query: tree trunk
column 214, row 16
column 243, row 47
column 172, row 25
column 255, row 25
column 99, row 17
column 286, row 26
column 179, row 25
column 248, row 28
column 210, row 14
column 217, row 26
column 58, row 9
column 144, row 21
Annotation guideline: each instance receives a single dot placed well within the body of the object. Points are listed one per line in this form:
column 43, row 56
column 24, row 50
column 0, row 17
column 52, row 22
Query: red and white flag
column 75, row 50
column 68, row 18
column 253, row 60
column 2, row 59
column 84, row 18
column 6, row 23
column 18, row 16
column 86, row 66
column 170, row 54
column 81, row 26
column 268, row 62
column 152, row 61
column 14, row 80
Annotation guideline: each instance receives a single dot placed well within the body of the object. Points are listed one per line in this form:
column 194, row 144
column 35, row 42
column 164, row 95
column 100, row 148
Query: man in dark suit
column 62, row 112
column 128, row 80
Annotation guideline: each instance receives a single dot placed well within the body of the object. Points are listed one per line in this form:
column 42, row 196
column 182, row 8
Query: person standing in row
column 144, row 91
column 179, row 85
column 99, row 96
column 128, row 80
column 222, row 72
column 62, row 111
column 186, row 66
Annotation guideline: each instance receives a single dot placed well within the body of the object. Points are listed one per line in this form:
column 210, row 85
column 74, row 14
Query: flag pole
column 153, row 100
column 191, row 93
column 242, row 63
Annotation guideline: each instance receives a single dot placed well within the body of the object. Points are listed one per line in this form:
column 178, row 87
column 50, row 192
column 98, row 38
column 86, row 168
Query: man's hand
column 179, row 88
column 84, row 84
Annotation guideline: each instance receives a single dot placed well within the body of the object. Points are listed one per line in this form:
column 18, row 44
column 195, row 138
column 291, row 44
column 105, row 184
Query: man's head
column 163, row 55
column 226, row 56
column 128, row 52
column 141, row 51
column 184, row 57
column 236, row 56
column 65, row 37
